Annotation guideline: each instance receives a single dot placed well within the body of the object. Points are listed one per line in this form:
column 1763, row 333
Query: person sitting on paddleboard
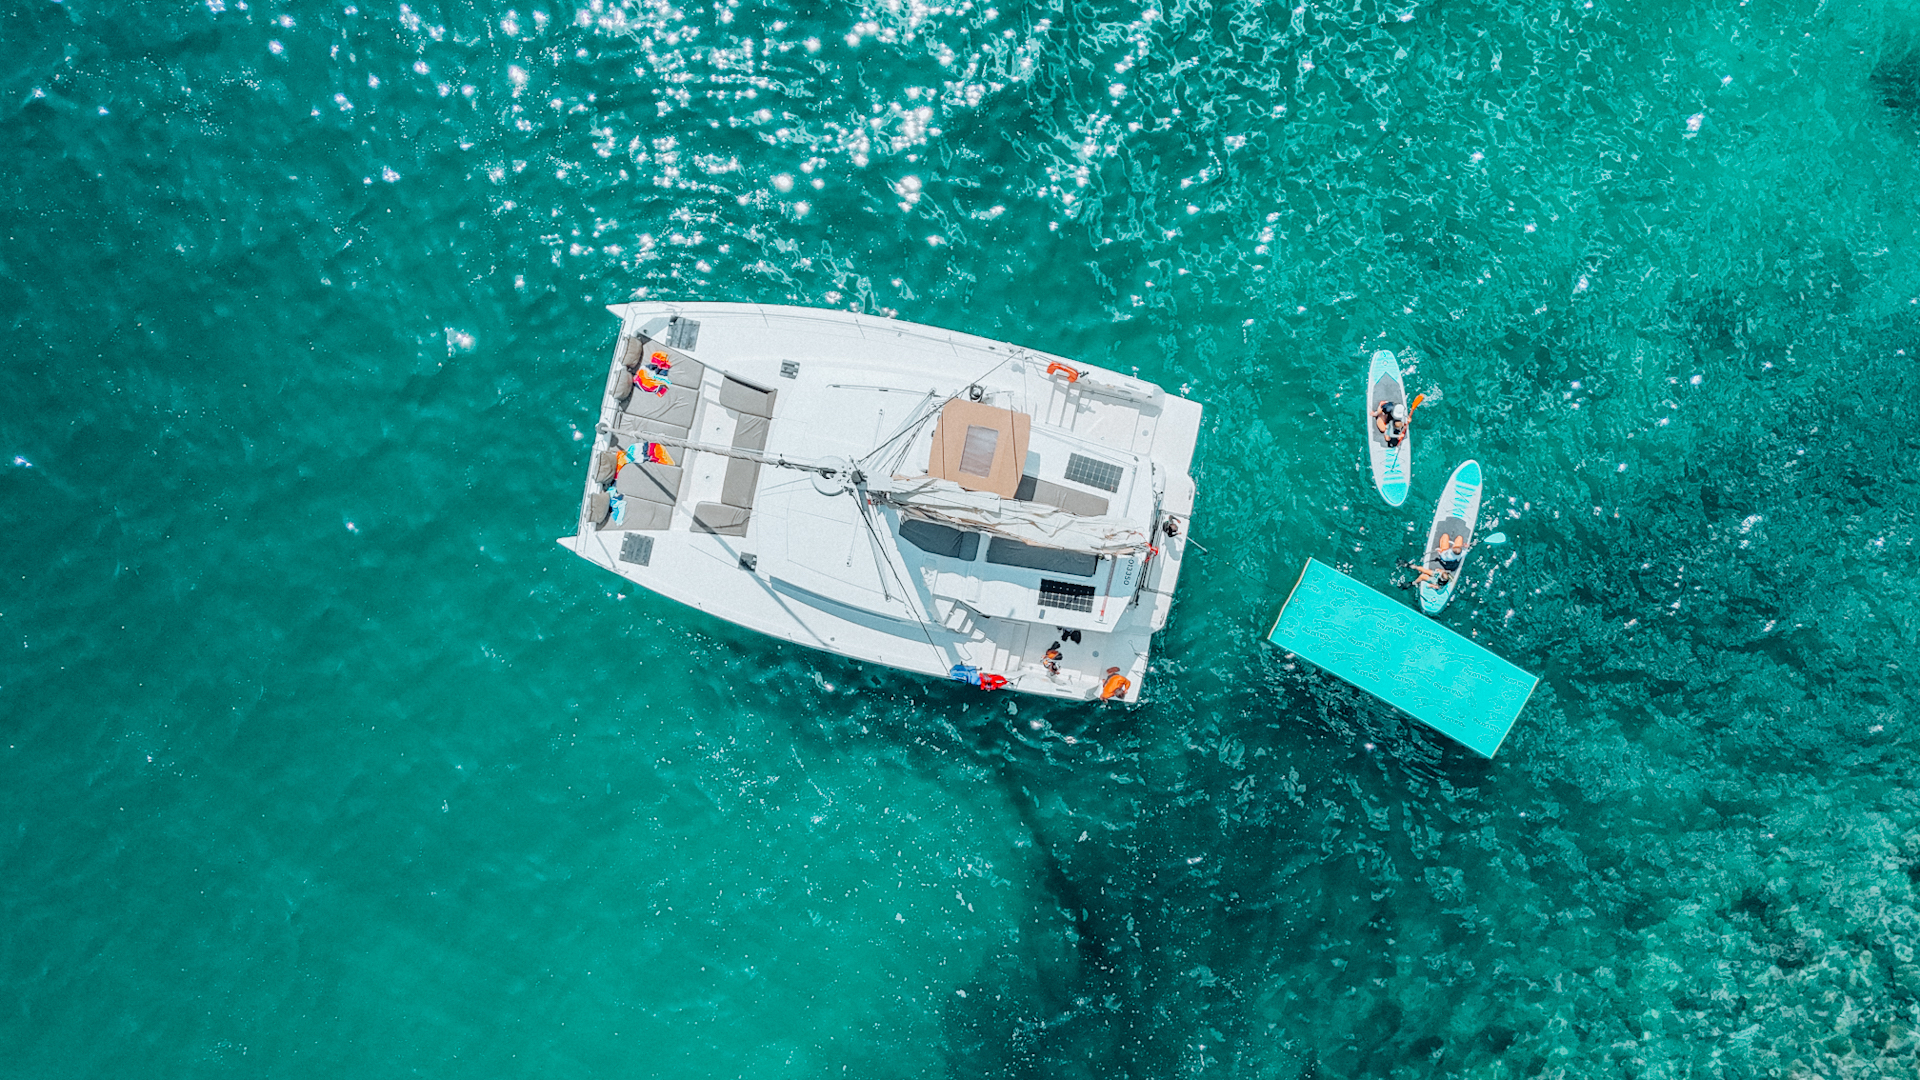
column 1390, row 422
column 1445, row 561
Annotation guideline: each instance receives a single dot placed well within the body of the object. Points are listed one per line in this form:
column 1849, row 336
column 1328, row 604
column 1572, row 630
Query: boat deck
column 775, row 550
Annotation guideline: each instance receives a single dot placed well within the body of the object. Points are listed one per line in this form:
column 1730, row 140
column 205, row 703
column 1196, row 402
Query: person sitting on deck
column 1391, row 422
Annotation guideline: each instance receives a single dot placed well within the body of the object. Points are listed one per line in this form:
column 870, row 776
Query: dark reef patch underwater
column 318, row 758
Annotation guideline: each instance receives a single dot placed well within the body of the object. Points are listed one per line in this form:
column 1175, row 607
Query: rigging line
column 912, row 428
column 1016, row 354
column 777, row 460
column 866, row 511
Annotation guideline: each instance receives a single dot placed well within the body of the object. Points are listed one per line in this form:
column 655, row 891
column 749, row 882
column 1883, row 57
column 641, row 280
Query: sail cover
column 930, row 498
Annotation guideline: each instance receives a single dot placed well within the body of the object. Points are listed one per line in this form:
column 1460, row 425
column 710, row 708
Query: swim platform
column 1402, row 657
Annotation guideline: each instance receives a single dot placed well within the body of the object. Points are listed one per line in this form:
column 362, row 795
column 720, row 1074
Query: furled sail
column 947, row 503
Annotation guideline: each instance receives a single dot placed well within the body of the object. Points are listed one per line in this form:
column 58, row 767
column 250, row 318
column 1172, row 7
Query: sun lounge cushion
column 684, row 372
column 721, row 520
column 632, row 430
column 752, row 433
column 632, row 351
column 746, row 398
column 650, row 482
column 638, row 515
column 743, row 477
column 675, row 409
column 603, row 466
column 598, row 504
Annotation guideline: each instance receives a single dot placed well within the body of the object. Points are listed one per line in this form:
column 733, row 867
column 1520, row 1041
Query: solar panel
column 1093, row 472
column 1066, row 595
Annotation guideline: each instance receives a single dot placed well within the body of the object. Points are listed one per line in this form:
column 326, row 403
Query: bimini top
column 979, row 447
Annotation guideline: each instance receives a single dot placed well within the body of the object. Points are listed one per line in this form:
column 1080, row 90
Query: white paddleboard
column 1457, row 515
column 1392, row 465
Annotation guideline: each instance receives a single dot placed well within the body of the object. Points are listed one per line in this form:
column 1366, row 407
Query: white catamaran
column 895, row 493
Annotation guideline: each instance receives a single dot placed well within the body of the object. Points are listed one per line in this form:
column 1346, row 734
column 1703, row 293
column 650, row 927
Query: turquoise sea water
column 318, row 758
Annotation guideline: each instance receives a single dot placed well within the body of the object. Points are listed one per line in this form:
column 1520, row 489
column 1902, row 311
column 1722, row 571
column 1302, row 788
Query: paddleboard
column 1392, row 465
column 1456, row 516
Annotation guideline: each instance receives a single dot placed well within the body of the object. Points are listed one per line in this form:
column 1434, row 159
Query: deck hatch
column 976, row 458
column 1093, row 472
column 683, row 334
column 636, row 549
column 1066, row 595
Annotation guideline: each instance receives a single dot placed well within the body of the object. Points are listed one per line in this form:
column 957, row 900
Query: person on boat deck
column 1391, row 422
column 1444, row 560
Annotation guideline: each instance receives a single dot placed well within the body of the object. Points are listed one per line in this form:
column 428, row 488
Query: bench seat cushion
column 674, row 409
column 721, row 520
column 650, row 482
column 743, row 478
column 752, row 433
column 746, row 398
column 638, row 515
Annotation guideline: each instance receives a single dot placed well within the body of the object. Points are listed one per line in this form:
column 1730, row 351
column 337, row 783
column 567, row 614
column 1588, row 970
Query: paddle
column 1417, row 399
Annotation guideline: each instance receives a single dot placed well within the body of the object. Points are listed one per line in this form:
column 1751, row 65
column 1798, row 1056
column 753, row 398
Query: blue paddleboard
column 1455, row 517
column 1392, row 465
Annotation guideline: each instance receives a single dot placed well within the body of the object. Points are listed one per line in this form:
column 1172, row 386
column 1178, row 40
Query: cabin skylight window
column 976, row 457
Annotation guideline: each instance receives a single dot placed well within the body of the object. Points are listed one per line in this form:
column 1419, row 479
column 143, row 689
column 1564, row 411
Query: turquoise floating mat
column 1402, row 657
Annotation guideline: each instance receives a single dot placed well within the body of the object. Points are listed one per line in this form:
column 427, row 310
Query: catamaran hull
column 799, row 556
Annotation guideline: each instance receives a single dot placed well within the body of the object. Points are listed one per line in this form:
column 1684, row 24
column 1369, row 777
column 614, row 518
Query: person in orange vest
column 1117, row 685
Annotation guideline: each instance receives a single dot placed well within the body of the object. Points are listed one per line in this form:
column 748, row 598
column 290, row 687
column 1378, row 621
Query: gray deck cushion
column 598, row 504
column 687, row 373
column 620, row 384
column 603, row 463
column 743, row 477
column 674, row 410
column 631, row 430
column 752, row 433
column 721, row 520
column 632, row 351
column 746, row 397
column 650, row 482
column 1034, row 489
column 638, row 515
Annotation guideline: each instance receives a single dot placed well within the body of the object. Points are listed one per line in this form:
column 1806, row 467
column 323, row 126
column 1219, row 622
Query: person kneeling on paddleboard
column 1391, row 423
